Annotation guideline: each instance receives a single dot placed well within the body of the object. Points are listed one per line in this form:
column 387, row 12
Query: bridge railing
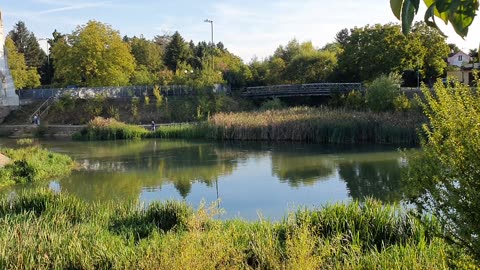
column 301, row 89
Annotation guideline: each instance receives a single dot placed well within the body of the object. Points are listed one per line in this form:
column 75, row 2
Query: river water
column 249, row 179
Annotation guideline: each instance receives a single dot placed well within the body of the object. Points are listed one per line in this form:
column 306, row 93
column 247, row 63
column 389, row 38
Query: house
column 460, row 67
column 458, row 59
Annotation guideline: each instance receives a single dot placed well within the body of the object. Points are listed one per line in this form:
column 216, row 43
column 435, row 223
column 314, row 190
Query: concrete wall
column 55, row 131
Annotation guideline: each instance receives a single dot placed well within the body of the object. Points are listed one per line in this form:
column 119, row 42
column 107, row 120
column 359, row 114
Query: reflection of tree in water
column 124, row 176
column 301, row 170
column 380, row 179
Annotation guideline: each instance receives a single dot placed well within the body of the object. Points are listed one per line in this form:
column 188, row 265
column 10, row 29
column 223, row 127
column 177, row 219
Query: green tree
column 147, row 53
column 310, row 67
column 23, row 76
column 371, row 51
column 27, row 44
column 447, row 170
column 93, row 55
column 459, row 13
column 381, row 93
column 176, row 52
column 434, row 50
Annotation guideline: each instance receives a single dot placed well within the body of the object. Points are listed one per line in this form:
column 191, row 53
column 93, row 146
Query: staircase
column 43, row 108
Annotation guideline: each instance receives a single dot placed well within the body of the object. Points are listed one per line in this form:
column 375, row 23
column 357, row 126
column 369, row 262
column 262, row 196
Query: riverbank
column 32, row 164
column 44, row 230
column 299, row 124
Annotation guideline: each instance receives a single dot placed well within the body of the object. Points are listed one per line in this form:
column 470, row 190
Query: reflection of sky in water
column 252, row 178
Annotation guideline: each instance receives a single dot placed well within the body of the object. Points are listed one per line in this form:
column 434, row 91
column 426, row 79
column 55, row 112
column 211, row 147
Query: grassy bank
column 44, row 230
column 318, row 125
column 302, row 124
column 33, row 163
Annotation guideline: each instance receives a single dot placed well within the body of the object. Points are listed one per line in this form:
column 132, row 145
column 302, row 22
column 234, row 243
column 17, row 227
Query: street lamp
column 213, row 44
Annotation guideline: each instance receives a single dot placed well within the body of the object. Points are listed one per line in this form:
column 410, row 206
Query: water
column 250, row 179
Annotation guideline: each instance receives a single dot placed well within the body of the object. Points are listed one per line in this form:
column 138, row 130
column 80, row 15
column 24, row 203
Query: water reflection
column 250, row 176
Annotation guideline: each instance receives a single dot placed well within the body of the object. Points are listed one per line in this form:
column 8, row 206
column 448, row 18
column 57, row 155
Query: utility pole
column 213, row 44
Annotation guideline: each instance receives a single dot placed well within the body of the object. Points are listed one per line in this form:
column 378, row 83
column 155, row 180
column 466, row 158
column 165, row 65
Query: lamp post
column 213, row 44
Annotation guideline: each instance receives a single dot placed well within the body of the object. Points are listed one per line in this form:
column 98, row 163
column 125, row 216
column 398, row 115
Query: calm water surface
column 250, row 179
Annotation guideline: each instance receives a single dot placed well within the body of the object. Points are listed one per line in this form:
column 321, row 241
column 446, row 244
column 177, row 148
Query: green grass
column 33, row 163
column 44, row 230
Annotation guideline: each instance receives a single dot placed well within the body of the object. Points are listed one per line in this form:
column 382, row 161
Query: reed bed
column 318, row 125
column 110, row 129
column 44, row 230
column 33, row 163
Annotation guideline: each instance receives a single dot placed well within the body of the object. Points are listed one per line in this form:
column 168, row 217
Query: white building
column 8, row 97
column 458, row 59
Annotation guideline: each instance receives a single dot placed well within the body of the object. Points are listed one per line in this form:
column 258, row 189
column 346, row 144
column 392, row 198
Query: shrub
column 158, row 96
column 447, row 171
column 224, row 103
column 355, row 101
column 401, row 103
column 272, row 104
column 382, row 92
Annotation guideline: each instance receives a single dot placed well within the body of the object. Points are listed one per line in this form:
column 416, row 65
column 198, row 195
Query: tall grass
column 318, row 125
column 33, row 163
column 44, row 230
column 111, row 129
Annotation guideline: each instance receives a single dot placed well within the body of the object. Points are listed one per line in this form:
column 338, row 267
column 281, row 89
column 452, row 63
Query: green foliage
column 355, row 100
column 65, row 103
column 113, row 112
column 25, row 141
column 134, row 108
column 23, row 76
column 272, row 104
column 158, row 96
column 94, row 106
column 382, row 92
column 71, row 234
column 176, row 52
column 93, row 55
column 225, row 103
column 446, row 172
column 401, row 103
column 311, row 67
column 27, row 44
column 459, row 13
column 110, row 129
column 33, row 163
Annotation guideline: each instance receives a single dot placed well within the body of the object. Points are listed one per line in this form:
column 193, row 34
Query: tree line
column 95, row 54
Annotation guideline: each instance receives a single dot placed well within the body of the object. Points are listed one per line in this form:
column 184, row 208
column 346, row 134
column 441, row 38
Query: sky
column 247, row 28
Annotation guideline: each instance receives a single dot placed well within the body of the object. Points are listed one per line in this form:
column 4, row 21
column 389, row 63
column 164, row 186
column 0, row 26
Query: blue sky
column 248, row 28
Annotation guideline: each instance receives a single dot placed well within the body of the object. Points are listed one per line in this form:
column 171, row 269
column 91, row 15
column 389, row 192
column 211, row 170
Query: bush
column 272, row 104
column 224, row 103
column 401, row 103
column 382, row 92
column 447, row 171
column 355, row 101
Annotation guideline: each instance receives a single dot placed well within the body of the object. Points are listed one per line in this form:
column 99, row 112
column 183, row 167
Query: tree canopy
column 93, row 55
column 23, row 76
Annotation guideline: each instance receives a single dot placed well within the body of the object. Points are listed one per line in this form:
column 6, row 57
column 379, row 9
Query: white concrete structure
column 458, row 59
column 8, row 97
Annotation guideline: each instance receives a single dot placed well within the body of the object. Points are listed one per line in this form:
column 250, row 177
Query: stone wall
column 55, row 131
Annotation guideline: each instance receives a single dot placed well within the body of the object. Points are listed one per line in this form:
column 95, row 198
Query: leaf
column 430, row 19
column 408, row 12
column 396, row 6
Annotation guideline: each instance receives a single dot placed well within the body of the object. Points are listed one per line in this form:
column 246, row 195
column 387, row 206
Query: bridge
column 297, row 90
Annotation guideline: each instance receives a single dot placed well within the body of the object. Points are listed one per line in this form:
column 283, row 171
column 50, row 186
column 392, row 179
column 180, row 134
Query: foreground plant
column 447, row 172
column 40, row 229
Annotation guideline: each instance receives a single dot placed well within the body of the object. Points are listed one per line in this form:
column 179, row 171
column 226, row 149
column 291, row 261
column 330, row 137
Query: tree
column 435, row 49
column 453, row 48
column 176, row 52
column 93, row 55
column 371, row 51
column 27, row 44
column 446, row 172
column 310, row 67
column 23, row 76
column 460, row 13
column 147, row 53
